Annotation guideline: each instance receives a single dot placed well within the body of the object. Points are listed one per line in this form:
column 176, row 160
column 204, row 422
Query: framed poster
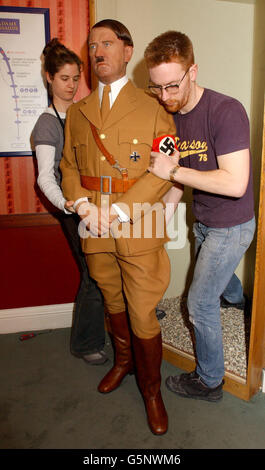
column 23, row 35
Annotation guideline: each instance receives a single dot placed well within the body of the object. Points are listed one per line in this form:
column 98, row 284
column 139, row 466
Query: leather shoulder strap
column 101, row 147
column 114, row 163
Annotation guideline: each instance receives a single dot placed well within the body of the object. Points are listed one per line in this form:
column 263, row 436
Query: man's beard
column 173, row 106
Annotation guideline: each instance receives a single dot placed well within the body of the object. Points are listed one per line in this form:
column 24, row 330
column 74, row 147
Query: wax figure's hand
column 97, row 220
column 112, row 217
column 69, row 206
column 161, row 164
column 86, row 211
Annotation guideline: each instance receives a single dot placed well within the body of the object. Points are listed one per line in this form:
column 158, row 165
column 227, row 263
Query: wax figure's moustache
column 99, row 59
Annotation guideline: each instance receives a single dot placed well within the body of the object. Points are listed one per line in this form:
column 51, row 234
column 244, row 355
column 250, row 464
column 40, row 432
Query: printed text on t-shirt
column 193, row 148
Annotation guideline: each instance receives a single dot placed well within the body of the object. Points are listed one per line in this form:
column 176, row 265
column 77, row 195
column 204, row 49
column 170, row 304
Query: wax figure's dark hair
column 168, row 47
column 118, row 28
column 56, row 55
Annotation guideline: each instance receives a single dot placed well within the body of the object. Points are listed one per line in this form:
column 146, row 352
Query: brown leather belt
column 106, row 184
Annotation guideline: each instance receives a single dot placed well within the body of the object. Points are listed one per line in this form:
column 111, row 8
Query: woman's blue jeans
column 218, row 251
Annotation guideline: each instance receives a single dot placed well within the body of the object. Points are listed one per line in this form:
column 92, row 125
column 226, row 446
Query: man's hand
column 161, row 164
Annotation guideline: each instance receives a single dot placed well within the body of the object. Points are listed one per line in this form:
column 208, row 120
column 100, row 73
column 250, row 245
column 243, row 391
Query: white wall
column 222, row 33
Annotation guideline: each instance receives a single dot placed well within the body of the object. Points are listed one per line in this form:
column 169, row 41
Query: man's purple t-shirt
column 218, row 125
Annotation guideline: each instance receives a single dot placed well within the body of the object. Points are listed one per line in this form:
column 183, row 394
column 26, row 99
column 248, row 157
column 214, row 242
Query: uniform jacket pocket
column 135, row 147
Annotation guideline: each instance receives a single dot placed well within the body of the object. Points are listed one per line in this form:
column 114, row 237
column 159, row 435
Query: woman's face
column 65, row 82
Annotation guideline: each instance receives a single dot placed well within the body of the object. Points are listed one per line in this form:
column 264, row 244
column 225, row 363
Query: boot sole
column 158, row 433
column 97, row 362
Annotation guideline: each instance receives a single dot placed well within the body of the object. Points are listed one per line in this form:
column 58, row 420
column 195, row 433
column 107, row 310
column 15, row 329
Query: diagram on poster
column 23, row 92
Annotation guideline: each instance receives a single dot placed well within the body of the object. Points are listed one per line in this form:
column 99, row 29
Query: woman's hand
column 69, row 206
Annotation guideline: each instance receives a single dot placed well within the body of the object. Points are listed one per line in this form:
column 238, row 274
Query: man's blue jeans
column 218, row 251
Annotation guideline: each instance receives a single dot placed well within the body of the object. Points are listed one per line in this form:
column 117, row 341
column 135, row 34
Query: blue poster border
column 46, row 18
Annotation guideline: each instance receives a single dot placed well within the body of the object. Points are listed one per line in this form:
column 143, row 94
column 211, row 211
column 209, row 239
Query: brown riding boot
column 148, row 358
column 123, row 363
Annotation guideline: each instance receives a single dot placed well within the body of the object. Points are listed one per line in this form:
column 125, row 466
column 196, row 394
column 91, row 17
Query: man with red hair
column 213, row 140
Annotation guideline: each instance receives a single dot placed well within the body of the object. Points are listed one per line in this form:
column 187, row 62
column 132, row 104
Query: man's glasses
column 170, row 89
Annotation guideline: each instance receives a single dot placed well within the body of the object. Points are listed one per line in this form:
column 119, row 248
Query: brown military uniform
column 137, row 266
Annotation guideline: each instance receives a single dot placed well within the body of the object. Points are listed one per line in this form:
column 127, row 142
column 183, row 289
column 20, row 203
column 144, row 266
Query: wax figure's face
column 108, row 55
column 65, row 82
column 168, row 74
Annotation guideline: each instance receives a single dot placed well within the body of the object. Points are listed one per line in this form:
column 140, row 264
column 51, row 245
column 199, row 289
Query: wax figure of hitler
column 111, row 183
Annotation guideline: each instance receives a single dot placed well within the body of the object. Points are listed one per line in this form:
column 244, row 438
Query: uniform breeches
column 136, row 283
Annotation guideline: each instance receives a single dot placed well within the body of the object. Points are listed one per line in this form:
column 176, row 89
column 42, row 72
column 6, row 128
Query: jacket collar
column 124, row 104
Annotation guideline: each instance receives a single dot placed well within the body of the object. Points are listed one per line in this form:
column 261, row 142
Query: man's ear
column 193, row 72
column 128, row 53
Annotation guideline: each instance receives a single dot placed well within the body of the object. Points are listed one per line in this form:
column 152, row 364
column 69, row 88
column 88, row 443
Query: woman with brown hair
column 62, row 69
